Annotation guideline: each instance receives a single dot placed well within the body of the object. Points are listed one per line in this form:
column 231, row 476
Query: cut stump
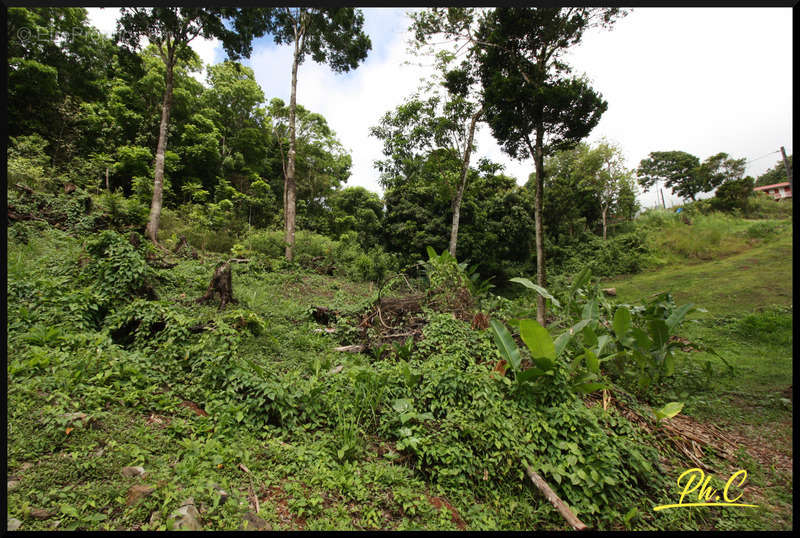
column 222, row 284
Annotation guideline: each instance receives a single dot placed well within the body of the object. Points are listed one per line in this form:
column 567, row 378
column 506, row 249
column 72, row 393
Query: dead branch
column 554, row 499
column 23, row 188
column 358, row 348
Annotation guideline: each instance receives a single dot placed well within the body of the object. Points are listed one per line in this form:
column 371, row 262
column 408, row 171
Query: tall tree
column 684, row 174
column 532, row 104
column 171, row 30
column 321, row 162
column 604, row 172
column 333, row 36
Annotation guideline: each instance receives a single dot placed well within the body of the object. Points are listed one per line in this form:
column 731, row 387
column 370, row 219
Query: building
column 779, row 191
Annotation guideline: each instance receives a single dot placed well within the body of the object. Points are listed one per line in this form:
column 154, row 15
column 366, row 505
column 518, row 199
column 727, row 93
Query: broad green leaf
column 659, row 332
column 578, row 327
column 505, row 343
column 538, row 289
column 580, row 280
column 586, row 388
column 529, row 374
column 538, row 340
column 641, row 338
column 601, row 343
column 677, row 316
column 592, row 364
column 591, row 310
column 622, row 322
column 561, row 342
column 402, row 405
column 668, row 411
column 589, row 337
column 669, row 364
column 431, row 253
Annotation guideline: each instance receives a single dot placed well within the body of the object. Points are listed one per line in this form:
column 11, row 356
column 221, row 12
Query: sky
column 700, row 80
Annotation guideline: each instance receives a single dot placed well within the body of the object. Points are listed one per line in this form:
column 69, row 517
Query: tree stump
column 221, row 283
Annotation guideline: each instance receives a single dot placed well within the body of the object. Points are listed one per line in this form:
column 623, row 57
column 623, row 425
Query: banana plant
column 543, row 351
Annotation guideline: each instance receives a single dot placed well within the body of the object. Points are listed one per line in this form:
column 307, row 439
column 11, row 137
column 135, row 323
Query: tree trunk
column 222, row 283
column 463, row 183
column 537, row 213
column 158, row 183
column 291, row 186
column 605, row 210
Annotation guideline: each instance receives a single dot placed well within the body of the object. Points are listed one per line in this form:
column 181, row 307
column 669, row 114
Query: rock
column 223, row 495
column 254, row 523
column 337, row 369
column 55, row 524
column 99, row 452
column 131, row 472
column 155, row 520
column 187, row 517
column 137, row 492
column 14, row 524
column 610, row 291
column 40, row 513
column 13, row 482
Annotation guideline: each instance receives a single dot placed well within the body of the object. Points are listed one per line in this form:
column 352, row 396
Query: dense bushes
column 619, row 254
column 344, row 257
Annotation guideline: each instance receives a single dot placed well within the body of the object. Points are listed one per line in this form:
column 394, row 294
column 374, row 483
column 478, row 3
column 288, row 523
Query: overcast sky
column 700, row 80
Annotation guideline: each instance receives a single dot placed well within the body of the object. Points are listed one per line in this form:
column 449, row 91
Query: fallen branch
column 24, row 188
column 358, row 348
column 560, row 505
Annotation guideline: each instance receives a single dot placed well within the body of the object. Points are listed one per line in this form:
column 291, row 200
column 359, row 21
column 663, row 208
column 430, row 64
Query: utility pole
column 788, row 168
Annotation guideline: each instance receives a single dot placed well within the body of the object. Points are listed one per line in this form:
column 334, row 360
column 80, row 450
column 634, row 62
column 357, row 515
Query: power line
column 759, row 158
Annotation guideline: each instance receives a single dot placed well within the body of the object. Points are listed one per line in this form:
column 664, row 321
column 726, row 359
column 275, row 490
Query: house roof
column 765, row 187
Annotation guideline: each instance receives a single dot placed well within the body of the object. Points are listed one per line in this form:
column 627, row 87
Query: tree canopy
column 685, row 175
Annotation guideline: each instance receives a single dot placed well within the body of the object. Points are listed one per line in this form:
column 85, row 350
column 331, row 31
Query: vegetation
column 359, row 374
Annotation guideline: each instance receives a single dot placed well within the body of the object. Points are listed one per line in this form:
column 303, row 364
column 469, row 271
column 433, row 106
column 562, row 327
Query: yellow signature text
column 698, row 481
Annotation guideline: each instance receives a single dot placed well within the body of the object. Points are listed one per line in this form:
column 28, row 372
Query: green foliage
column 733, row 194
column 776, row 174
column 763, row 206
column 685, row 175
column 118, row 269
column 624, row 253
column 28, row 162
column 344, row 257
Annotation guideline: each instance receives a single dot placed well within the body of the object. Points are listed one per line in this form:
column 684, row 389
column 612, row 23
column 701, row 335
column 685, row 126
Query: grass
column 748, row 296
column 738, row 283
column 312, row 476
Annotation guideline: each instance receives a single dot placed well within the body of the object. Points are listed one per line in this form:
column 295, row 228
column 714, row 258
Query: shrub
column 28, row 163
column 619, row 254
column 762, row 230
column 733, row 194
column 763, row 206
column 346, row 256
